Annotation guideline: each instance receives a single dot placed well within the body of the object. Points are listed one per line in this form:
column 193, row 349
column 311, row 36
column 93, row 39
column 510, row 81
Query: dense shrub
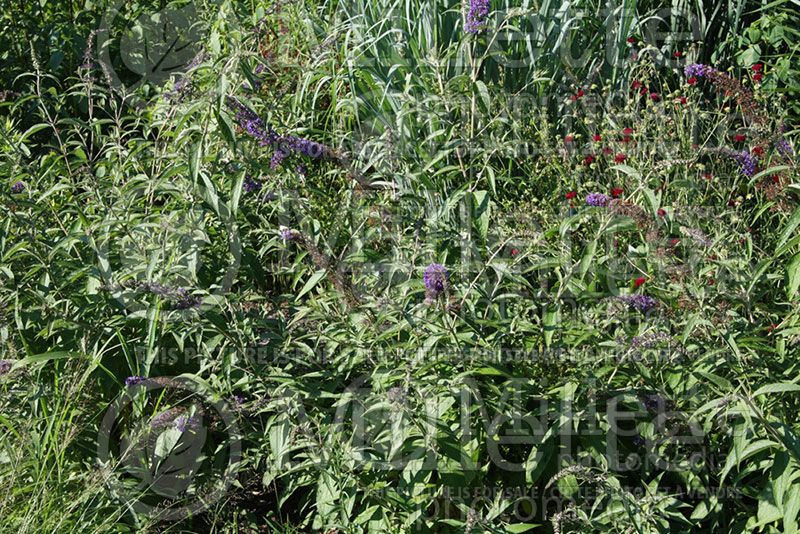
column 387, row 267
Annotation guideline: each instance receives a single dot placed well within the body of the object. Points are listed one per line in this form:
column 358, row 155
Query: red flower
column 674, row 241
column 776, row 179
column 677, row 53
column 636, row 84
column 620, row 158
column 597, row 138
column 627, row 131
column 639, row 281
column 579, row 93
column 757, row 67
column 757, row 76
column 631, row 40
column 758, row 150
column 616, row 192
column 740, row 138
column 711, row 281
column 571, row 195
column 692, row 80
column 654, row 97
column 568, row 139
column 607, row 151
column 772, row 327
column 514, row 252
column 707, row 175
column 662, row 212
column 643, row 91
column 682, row 99
column 588, row 160
column 626, row 139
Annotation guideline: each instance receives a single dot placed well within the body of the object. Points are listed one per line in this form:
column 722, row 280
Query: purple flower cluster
column 180, row 297
column 598, row 200
column 288, row 234
column 184, row 422
column 250, row 185
column 277, row 158
column 641, row 303
column 285, row 145
column 648, row 341
column 251, row 123
column 747, row 162
column 18, row 187
column 134, row 380
column 5, row 367
column 436, row 280
column 784, row 148
column 477, row 14
column 698, row 69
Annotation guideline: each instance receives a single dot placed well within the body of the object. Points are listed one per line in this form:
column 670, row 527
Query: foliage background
column 447, row 148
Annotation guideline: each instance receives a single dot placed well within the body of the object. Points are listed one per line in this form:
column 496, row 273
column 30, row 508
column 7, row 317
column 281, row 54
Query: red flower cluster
column 577, row 95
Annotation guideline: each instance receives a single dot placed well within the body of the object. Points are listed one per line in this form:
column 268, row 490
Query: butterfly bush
column 698, row 70
column 249, row 121
column 641, row 303
column 250, row 185
column 435, row 278
column 599, row 200
column 477, row 15
column 748, row 162
column 134, row 380
column 180, row 298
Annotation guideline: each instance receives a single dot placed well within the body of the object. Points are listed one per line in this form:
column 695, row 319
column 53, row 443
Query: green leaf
column 782, row 387
column 312, row 282
column 521, row 527
column 481, row 212
column 793, row 276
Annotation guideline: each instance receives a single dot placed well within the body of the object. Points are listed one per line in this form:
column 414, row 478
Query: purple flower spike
column 747, row 162
column 641, row 303
column 436, row 280
column 134, row 380
column 699, row 70
column 287, row 234
column 250, row 185
column 477, row 14
column 277, row 159
column 784, row 148
column 18, row 187
column 598, row 200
